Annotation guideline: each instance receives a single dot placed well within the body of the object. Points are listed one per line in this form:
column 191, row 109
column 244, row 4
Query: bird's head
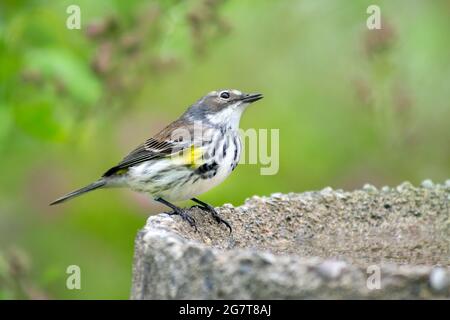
column 221, row 106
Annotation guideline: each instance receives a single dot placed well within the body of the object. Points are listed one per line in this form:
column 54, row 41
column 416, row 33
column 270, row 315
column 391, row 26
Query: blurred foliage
column 15, row 282
column 352, row 105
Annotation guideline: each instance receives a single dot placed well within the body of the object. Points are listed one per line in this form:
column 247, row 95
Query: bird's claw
column 185, row 216
column 215, row 215
column 225, row 222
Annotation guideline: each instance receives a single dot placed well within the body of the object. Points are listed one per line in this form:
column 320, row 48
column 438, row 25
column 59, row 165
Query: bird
column 190, row 156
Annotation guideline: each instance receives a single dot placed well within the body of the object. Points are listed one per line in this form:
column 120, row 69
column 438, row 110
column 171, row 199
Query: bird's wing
column 165, row 143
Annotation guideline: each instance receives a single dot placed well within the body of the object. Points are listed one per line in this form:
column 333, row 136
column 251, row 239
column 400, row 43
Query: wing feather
column 163, row 144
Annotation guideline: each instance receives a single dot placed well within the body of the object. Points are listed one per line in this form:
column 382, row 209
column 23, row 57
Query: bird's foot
column 214, row 214
column 185, row 216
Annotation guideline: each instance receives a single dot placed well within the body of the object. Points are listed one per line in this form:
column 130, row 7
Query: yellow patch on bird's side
column 121, row 171
column 192, row 157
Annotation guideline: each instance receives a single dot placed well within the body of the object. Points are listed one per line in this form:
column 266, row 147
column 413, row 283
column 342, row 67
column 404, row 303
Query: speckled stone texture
column 326, row 244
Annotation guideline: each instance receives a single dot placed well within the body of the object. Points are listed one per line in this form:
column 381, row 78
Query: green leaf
column 9, row 61
column 5, row 122
column 37, row 119
column 63, row 66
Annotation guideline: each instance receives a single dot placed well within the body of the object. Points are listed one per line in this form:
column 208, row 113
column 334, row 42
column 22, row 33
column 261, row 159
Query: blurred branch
column 128, row 54
column 15, row 280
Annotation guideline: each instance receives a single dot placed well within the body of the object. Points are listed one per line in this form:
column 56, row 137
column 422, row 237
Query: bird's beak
column 252, row 97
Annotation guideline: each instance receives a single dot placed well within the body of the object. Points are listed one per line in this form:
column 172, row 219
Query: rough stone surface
column 325, row 244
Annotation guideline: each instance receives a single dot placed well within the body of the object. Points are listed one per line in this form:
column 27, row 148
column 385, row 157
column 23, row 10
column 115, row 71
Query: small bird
column 190, row 156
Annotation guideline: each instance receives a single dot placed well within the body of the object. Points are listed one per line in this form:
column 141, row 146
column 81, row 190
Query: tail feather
column 97, row 184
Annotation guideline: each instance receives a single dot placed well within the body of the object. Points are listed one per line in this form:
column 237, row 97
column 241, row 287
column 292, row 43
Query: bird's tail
column 97, row 184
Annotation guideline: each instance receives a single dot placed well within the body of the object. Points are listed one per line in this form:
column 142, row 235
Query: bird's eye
column 225, row 95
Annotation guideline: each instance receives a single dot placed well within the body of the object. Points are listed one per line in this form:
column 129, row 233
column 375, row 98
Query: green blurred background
column 353, row 106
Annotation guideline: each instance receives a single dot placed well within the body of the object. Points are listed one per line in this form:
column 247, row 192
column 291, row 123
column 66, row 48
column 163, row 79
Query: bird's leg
column 206, row 207
column 178, row 211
